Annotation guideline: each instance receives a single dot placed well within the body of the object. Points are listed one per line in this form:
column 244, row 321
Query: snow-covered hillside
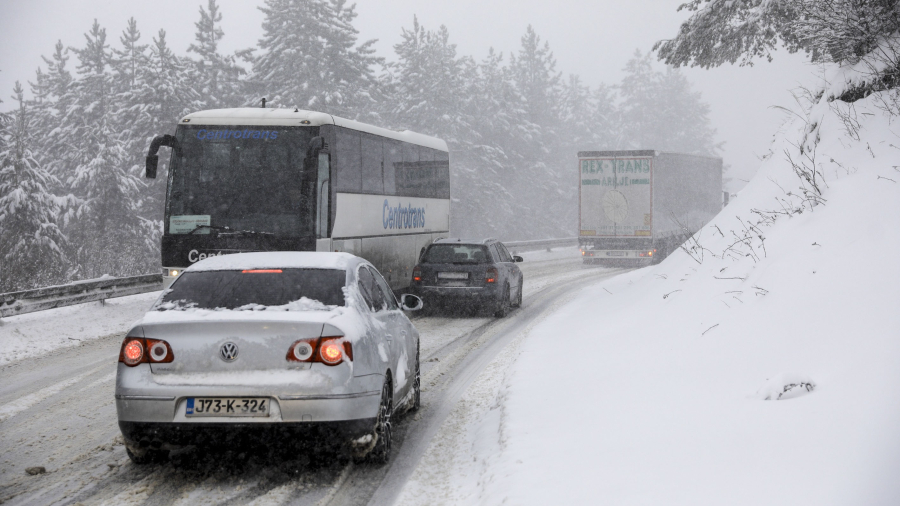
column 651, row 388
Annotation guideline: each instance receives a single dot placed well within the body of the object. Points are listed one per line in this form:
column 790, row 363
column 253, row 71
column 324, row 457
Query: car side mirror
column 517, row 258
column 410, row 302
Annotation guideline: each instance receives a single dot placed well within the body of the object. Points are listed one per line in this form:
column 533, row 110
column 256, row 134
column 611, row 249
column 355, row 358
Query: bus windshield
column 247, row 179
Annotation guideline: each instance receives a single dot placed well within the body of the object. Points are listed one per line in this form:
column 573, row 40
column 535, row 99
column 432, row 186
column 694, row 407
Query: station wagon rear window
column 256, row 289
column 457, row 253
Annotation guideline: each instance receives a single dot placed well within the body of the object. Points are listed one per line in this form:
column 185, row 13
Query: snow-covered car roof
column 277, row 260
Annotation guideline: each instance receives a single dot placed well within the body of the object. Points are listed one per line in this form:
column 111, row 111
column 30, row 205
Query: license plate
column 453, row 275
column 616, row 253
column 227, row 406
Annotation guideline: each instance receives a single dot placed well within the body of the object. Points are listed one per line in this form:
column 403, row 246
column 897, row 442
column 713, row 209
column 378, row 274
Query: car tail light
column 331, row 353
column 491, row 275
column 417, row 274
column 137, row 350
column 132, row 352
column 303, row 350
column 325, row 350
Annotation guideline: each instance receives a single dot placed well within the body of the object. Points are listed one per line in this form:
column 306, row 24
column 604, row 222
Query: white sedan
column 296, row 347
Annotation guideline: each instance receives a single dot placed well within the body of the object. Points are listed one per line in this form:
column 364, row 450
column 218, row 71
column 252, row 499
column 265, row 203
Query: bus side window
column 442, row 174
column 426, row 188
column 372, row 163
column 348, row 161
column 407, row 171
column 393, row 157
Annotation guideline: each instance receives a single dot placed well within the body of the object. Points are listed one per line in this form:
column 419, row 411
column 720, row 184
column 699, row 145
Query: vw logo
column 228, row 352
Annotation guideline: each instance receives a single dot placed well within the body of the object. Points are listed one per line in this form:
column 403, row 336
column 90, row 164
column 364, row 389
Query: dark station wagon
column 468, row 274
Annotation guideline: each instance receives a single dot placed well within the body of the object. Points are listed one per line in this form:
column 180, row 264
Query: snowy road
column 57, row 411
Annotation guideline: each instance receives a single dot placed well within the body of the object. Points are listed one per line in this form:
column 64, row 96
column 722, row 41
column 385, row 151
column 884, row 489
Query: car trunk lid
column 230, row 346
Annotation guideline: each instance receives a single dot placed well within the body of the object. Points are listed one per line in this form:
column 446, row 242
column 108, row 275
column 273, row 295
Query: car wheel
column 417, row 386
column 518, row 302
column 381, row 454
column 146, row 456
column 503, row 303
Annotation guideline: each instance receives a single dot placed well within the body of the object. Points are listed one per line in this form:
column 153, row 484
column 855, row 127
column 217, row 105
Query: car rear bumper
column 282, row 408
column 140, row 397
column 457, row 294
column 165, row 435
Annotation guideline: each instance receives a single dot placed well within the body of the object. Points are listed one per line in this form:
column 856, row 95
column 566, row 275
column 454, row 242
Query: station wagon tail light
column 325, row 350
column 417, row 273
column 136, row 350
column 491, row 275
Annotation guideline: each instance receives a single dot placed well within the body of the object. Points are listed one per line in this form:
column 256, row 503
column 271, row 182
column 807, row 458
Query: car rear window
column 256, row 289
column 457, row 253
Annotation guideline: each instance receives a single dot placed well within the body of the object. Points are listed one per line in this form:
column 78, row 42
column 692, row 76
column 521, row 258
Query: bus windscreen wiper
column 213, row 227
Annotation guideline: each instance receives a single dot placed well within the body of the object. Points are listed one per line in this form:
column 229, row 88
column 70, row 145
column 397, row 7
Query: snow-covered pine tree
column 546, row 172
column 430, row 92
column 845, row 32
column 660, row 111
column 606, row 119
column 217, row 75
column 438, row 93
column 129, row 65
column 310, row 58
column 52, row 95
column 167, row 94
column 492, row 160
column 31, row 244
column 104, row 229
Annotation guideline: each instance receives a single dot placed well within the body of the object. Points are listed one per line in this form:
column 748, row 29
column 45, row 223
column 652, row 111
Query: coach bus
column 257, row 179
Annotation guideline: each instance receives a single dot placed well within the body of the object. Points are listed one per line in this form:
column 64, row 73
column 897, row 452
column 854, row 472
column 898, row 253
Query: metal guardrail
column 516, row 246
column 39, row 299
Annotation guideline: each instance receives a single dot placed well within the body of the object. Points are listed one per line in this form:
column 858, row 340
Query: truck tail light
column 491, row 275
column 137, row 350
column 417, row 274
column 324, row 350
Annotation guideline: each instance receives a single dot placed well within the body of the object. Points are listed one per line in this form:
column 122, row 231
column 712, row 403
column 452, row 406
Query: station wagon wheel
column 381, row 454
column 504, row 303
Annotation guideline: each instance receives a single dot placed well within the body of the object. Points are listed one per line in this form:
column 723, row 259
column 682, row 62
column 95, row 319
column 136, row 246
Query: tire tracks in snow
column 445, row 381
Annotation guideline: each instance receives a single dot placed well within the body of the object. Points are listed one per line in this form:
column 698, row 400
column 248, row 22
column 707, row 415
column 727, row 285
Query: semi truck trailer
column 638, row 206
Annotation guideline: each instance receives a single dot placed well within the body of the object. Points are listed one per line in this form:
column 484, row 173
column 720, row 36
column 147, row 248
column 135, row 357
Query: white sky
column 591, row 38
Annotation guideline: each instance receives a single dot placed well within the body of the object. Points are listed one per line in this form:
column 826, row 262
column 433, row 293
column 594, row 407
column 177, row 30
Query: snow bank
column 33, row 334
column 650, row 388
